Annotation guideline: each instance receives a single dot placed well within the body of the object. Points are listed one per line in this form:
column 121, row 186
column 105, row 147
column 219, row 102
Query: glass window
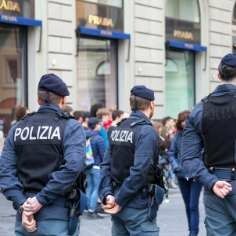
column 187, row 10
column 12, row 72
column 97, row 73
column 180, row 86
column 113, row 3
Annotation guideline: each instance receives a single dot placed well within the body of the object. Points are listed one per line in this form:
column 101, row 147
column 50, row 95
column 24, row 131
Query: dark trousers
column 190, row 191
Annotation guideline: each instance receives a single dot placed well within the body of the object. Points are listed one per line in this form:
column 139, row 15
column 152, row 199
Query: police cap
column 229, row 60
column 54, row 84
column 143, row 92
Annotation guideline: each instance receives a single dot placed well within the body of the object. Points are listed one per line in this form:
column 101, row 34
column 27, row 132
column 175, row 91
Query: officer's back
column 42, row 157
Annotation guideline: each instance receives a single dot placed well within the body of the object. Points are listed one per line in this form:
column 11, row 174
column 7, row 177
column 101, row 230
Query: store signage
column 99, row 16
column 183, row 30
column 11, row 6
column 100, row 21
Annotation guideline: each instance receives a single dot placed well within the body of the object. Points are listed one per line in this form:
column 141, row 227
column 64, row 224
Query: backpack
column 89, row 158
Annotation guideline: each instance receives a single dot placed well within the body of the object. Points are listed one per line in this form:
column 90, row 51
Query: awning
column 100, row 33
column 18, row 20
column 186, row 45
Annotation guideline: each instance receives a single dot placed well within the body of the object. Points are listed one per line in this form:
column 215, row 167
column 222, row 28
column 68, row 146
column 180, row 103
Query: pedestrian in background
column 93, row 172
column 189, row 188
column 211, row 128
column 41, row 160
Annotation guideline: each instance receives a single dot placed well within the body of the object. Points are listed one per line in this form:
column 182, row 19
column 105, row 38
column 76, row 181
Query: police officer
column 124, row 186
column 211, row 127
column 41, row 159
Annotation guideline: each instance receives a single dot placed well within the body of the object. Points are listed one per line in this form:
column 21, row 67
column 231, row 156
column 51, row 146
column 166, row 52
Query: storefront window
column 234, row 29
column 113, row 3
column 12, row 72
column 179, row 81
column 187, row 10
column 97, row 73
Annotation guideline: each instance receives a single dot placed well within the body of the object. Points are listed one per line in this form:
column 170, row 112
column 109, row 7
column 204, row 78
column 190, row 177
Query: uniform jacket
column 133, row 192
column 52, row 194
column 192, row 143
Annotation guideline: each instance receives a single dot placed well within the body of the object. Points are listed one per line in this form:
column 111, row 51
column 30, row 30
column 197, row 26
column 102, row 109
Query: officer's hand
column 109, row 202
column 28, row 222
column 222, row 189
column 32, row 206
column 113, row 210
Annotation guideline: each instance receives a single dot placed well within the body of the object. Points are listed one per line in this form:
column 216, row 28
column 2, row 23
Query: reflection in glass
column 97, row 73
column 12, row 78
column 187, row 10
column 180, row 85
column 114, row 3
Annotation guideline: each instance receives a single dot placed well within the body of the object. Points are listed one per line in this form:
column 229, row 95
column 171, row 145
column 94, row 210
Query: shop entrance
column 97, row 73
column 180, row 81
column 13, row 67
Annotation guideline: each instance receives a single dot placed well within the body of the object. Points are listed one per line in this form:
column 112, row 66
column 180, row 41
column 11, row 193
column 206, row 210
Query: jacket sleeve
column 9, row 183
column 66, row 175
column 105, row 187
column 145, row 149
column 173, row 154
column 191, row 150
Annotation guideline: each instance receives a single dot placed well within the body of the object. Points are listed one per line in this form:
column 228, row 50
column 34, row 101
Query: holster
column 156, row 196
column 77, row 204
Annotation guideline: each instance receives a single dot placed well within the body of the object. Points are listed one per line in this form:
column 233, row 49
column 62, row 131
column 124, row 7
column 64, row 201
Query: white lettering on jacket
column 41, row 133
column 122, row 136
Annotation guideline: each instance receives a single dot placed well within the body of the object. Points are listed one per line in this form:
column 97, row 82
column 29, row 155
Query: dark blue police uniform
column 208, row 153
column 42, row 156
column 132, row 149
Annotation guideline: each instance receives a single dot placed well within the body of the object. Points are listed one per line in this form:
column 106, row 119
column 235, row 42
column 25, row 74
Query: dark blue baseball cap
column 143, row 92
column 52, row 83
column 229, row 60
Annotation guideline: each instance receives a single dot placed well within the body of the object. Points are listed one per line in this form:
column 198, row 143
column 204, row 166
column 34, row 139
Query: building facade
column 104, row 47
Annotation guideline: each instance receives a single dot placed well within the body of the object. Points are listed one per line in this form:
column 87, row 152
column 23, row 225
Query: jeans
column 220, row 214
column 46, row 228
column 93, row 181
column 134, row 222
column 190, row 191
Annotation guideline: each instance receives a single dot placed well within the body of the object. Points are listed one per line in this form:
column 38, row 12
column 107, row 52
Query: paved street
column 171, row 220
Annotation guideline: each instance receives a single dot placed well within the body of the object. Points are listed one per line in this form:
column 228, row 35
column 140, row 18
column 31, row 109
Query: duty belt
column 224, row 173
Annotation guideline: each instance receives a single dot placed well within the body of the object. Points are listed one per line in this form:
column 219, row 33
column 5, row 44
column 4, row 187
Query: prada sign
column 183, row 30
column 99, row 16
column 24, row 8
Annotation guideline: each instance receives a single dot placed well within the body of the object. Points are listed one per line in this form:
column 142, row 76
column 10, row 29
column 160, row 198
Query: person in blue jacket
column 124, row 187
column 42, row 157
column 211, row 129
column 189, row 188
column 93, row 173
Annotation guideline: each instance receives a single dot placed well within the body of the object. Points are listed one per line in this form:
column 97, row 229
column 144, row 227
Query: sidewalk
column 171, row 219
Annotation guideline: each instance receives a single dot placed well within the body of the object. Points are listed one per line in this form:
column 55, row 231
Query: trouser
column 220, row 214
column 93, row 181
column 134, row 222
column 46, row 228
column 190, row 191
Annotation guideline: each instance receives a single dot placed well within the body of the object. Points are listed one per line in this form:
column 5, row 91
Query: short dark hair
column 182, row 116
column 20, row 112
column 81, row 114
column 116, row 114
column 95, row 108
column 227, row 73
column 48, row 97
column 137, row 103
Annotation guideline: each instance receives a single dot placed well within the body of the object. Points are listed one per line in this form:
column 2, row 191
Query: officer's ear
column 62, row 101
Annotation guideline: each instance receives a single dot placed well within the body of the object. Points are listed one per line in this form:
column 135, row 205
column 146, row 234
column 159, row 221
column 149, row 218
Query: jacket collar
column 225, row 88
